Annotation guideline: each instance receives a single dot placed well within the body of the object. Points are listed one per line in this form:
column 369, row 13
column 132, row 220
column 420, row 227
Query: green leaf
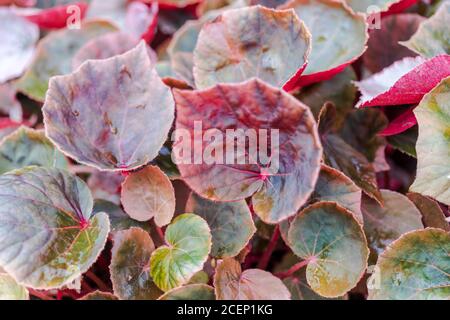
column 231, row 224
column 149, row 193
column 385, row 224
column 188, row 240
column 29, row 147
column 332, row 241
column 251, row 42
column 432, row 215
column 98, row 295
column 190, row 292
column 433, row 36
column 433, row 144
column 48, row 235
column 54, row 56
column 11, row 290
column 415, row 267
column 231, row 283
column 130, row 266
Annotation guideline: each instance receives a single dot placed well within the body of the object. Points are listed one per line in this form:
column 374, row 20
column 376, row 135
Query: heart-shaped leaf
column 385, row 224
column 272, row 45
column 188, row 240
column 415, row 267
column 55, row 238
column 432, row 38
column 339, row 37
column 28, row 147
column 18, row 39
column 98, row 295
column 107, row 46
column 149, row 193
column 111, row 114
column 190, row 292
column 432, row 215
column 433, row 144
column 130, row 266
column 332, row 241
column 404, row 82
column 253, row 284
column 11, row 290
column 54, row 56
column 383, row 46
column 252, row 107
column 231, row 224
column 59, row 16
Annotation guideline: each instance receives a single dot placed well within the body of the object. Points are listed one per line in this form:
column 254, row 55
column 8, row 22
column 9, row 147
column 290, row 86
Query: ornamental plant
column 229, row 150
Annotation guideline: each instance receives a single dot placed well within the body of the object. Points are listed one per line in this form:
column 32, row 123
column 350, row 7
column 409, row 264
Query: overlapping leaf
column 278, row 186
column 333, row 242
column 111, row 114
column 55, row 238
column 272, row 45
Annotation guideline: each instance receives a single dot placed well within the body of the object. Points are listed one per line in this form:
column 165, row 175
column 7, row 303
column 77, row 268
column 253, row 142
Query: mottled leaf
column 148, row 193
column 55, row 238
column 432, row 215
column 231, row 283
column 415, row 267
column 18, row 39
column 339, row 37
column 111, row 114
column 272, row 45
column 190, row 292
column 279, row 184
column 433, row 36
column 385, row 224
column 404, row 82
column 28, row 147
column 130, row 266
column 333, row 242
column 98, row 295
column 231, row 224
column 433, row 144
column 11, row 290
column 188, row 240
column 54, row 56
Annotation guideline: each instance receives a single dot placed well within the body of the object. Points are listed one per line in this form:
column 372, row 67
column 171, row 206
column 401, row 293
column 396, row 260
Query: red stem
column 265, row 259
column 292, row 270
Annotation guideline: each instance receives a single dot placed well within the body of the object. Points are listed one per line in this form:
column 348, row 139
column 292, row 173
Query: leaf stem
column 292, row 270
column 265, row 259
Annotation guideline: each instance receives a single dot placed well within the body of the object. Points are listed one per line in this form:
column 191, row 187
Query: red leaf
column 56, row 17
column 400, row 124
column 404, row 82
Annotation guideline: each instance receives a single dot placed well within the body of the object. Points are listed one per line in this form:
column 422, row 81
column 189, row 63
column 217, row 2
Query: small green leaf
column 190, row 292
column 130, row 266
column 188, row 240
column 11, row 290
column 55, row 238
column 28, row 147
column 231, row 224
column 333, row 242
column 232, row 284
column 415, row 267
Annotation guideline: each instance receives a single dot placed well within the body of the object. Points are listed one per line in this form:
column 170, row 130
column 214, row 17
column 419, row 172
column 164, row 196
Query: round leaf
column 339, row 37
column 190, row 292
column 433, row 144
column 251, row 107
column 149, row 193
column 28, row 147
column 18, row 39
column 111, row 114
column 232, row 284
column 48, row 235
column 231, row 224
column 11, row 290
column 188, row 241
column 333, row 242
column 272, row 45
column 415, row 267
column 130, row 265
